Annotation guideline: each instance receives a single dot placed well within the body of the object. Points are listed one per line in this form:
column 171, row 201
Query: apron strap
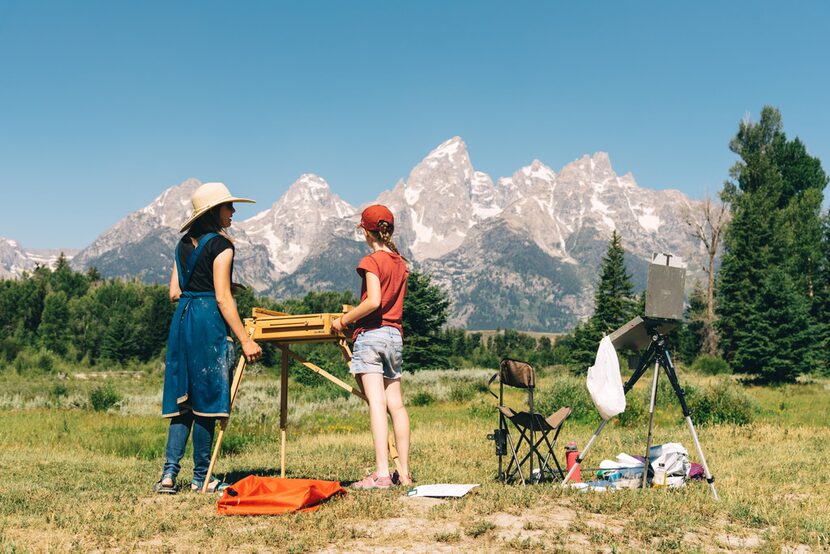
column 184, row 277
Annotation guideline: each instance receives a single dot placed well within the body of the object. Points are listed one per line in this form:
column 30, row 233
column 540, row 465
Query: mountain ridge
column 524, row 248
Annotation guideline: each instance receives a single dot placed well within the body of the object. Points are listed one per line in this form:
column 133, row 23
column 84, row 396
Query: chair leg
column 510, row 472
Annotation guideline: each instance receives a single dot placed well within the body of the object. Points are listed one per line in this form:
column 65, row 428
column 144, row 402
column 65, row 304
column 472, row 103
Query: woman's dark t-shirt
column 202, row 278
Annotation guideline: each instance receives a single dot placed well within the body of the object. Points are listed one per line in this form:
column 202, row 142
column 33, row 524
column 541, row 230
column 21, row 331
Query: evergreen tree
column 691, row 333
column 615, row 301
column 153, row 322
column 615, row 304
column 54, row 331
column 772, row 253
column 821, row 301
column 425, row 311
column 120, row 341
column 63, row 278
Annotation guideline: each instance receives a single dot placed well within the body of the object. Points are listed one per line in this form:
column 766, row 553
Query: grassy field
column 74, row 479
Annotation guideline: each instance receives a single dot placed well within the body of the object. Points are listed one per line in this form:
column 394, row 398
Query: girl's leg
column 202, row 440
column 176, row 442
column 372, row 386
column 400, row 423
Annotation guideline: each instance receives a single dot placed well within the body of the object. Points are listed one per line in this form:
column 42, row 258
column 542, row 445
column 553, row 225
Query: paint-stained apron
column 200, row 354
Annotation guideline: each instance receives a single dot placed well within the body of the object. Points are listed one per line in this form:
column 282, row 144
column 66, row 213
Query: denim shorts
column 378, row 351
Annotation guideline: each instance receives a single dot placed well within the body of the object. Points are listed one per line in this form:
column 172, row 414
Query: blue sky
column 105, row 104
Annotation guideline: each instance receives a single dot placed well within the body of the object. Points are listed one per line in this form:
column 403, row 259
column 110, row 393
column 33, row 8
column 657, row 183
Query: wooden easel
column 283, row 330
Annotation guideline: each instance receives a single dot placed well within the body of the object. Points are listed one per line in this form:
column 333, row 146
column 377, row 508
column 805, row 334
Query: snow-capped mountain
column 442, row 199
column 523, row 251
column 142, row 244
column 301, row 219
column 14, row 259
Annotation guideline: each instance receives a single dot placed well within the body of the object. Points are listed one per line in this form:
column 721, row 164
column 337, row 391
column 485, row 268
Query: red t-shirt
column 392, row 272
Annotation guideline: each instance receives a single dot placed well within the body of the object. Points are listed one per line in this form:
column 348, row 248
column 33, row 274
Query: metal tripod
column 658, row 353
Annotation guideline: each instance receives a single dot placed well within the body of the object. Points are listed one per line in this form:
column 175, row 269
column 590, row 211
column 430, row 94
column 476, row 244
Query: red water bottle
column 571, row 454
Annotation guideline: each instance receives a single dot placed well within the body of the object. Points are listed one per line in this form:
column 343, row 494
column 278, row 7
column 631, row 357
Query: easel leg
column 650, row 420
column 283, row 407
column 223, row 423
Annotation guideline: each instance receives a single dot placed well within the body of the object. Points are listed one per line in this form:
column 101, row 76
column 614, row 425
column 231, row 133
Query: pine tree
column 615, row 304
column 54, row 331
column 615, row 301
column 821, row 300
column 772, row 253
column 691, row 334
column 425, row 311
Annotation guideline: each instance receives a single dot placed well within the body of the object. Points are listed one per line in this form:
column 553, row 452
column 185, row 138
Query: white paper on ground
column 442, row 490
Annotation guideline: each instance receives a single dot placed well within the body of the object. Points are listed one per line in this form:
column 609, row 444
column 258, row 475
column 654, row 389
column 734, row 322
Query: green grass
column 78, row 480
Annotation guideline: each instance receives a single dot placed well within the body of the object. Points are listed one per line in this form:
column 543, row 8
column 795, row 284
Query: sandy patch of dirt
column 415, row 531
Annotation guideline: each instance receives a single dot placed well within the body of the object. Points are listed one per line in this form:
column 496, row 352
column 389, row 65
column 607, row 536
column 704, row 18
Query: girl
column 200, row 352
column 378, row 346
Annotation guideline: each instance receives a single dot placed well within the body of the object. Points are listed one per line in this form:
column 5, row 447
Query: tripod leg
column 681, row 396
column 651, row 420
column 584, row 452
column 709, row 478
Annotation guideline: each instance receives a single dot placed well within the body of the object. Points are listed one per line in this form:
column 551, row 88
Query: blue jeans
column 177, row 440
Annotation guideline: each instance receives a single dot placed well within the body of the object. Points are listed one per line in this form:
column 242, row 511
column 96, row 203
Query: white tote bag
column 605, row 383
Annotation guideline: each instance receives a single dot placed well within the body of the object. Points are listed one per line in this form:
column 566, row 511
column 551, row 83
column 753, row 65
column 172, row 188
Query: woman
column 200, row 351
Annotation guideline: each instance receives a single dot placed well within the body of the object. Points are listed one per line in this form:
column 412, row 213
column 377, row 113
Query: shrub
column 421, row 398
column 59, row 390
column 710, row 365
column 636, row 410
column 567, row 391
column 723, row 402
column 462, row 392
column 104, row 397
column 483, row 409
column 9, row 349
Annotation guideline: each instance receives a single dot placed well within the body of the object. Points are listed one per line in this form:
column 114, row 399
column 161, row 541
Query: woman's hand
column 338, row 324
column 252, row 351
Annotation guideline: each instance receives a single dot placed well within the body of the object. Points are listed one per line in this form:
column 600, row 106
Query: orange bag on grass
column 272, row 495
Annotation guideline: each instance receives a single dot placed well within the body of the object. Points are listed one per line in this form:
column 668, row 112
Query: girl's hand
column 252, row 351
column 338, row 325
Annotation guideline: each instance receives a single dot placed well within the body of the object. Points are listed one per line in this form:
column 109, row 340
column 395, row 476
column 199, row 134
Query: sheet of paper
column 442, row 490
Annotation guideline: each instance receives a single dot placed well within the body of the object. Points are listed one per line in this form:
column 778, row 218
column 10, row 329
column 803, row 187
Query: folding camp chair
column 533, row 450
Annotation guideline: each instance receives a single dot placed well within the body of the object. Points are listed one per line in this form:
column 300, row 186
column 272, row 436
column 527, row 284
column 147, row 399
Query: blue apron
column 200, row 354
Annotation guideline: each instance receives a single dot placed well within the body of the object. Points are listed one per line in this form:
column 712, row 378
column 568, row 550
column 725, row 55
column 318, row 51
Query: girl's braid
column 385, row 234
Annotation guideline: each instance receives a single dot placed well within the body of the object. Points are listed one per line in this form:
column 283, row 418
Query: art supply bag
column 272, row 495
column 670, row 463
column 604, row 381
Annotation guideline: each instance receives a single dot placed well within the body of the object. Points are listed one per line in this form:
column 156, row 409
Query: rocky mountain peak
column 172, row 207
column 297, row 221
column 450, row 148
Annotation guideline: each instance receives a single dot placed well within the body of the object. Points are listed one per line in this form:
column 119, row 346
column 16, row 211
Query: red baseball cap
column 373, row 215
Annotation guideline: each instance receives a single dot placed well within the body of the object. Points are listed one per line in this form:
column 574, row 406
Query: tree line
column 81, row 319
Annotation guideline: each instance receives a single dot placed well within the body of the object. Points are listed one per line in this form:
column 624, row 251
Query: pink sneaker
column 372, row 481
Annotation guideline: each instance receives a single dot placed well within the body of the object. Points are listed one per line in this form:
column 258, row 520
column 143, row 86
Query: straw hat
column 208, row 196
